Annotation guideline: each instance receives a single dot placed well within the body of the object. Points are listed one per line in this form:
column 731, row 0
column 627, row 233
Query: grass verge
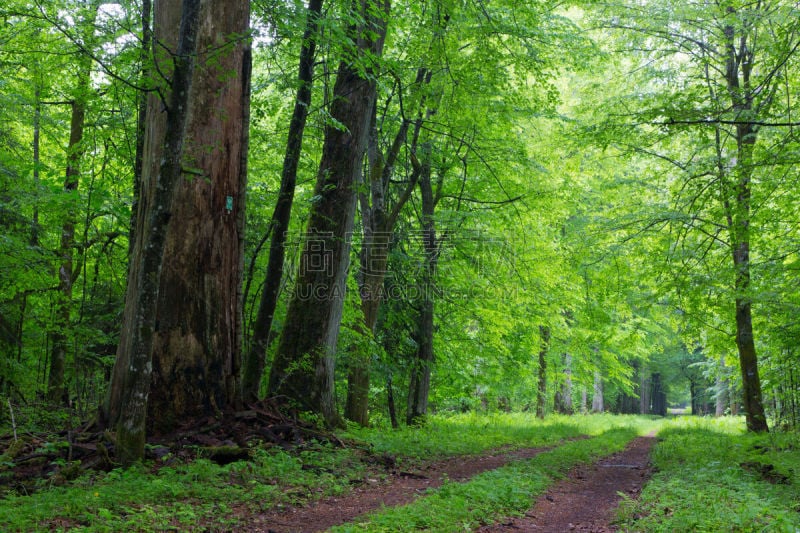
column 713, row 476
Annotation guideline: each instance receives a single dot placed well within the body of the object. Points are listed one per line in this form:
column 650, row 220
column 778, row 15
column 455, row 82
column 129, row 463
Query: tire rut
column 588, row 498
column 400, row 489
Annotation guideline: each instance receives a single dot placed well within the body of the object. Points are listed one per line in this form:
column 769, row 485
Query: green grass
column 205, row 495
column 473, row 433
column 185, row 495
column 702, row 485
column 506, row 491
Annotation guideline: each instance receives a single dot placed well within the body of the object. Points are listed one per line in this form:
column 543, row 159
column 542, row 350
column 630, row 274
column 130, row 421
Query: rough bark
column 544, row 333
column 303, row 370
column 196, row 350
column 254, row 362
column 178, row 352
column 146, row 52
column 128, row 395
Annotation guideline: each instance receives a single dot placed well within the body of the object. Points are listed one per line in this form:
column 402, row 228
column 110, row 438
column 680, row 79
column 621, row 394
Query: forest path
column 401, row 488
column 587, row 498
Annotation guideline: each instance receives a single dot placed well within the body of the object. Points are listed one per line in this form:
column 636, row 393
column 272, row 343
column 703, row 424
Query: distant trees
column 717, row 120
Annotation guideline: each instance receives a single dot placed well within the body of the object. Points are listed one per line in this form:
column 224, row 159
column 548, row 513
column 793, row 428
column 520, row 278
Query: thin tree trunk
column 659, row 396
column 597, row 396
column 584, row 400
column 721, row 389
column 420, row 380
column 145, row 55
column 390, row 402
column 254, row 362
column 739, row 65
column 303, row 369
column 544, row 333
column 56, row 389
column 564, row 394
column 644, row 391
column 37, row 122
column 378, row 222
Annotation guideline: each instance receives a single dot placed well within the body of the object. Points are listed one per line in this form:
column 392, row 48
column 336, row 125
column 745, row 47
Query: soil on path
column 400, row 488
column 588, row 498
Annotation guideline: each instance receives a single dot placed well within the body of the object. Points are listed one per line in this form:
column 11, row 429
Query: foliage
column 712, row 477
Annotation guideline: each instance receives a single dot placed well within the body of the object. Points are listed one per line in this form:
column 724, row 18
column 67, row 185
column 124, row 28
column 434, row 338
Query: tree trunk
column 644, row 392
column 597, row 397
column 659, row 396
column 197, row 349
column 56, row 389
column 563, row 397
column 255, row 358
column 303, row 369
column 739, row 65
column 390, row 402
column 179, row 346
column 584, row 400
column 420, row 379
column 37, row 128
column 145, row 56
column 378, row 222
column 127, row 401
column 544, row 333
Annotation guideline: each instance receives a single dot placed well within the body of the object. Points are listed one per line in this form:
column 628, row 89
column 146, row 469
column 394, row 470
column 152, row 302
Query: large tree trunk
column 179, row 346
column 196, row 352
column 303, row 369
column 255, row 358
column 544, row 333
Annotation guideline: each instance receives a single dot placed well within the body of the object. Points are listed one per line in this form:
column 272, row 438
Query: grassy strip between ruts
column 200, row 495
column 499, row 493
column 712, row 476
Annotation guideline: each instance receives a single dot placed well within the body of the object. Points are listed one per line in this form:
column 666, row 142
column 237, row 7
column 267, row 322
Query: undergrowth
column 169, row 495
column 156, row 498
column 713, row 476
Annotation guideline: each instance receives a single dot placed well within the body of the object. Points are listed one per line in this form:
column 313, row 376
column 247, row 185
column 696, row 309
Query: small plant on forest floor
column 713, row 476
